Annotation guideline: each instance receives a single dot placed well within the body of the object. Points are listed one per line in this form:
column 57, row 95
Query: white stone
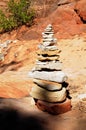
column 55, row 76
column 48, row 65
column 47, row 43
column 42, row 47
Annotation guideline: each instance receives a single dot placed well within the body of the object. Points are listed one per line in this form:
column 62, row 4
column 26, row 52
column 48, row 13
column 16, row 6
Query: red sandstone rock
column 81, row 9
column 66, row 23
column 54, row 108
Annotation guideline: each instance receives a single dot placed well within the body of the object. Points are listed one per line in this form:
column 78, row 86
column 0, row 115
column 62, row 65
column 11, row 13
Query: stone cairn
column 49, row 90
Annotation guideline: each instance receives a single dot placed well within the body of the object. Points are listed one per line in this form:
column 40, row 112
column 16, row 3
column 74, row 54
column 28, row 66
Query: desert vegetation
column 17, row 13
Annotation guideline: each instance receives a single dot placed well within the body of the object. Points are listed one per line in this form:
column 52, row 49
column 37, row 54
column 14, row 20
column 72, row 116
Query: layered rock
column 48, row 75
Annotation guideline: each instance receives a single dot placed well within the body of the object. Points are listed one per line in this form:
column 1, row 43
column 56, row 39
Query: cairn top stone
column 48, row 37
column 49, row 25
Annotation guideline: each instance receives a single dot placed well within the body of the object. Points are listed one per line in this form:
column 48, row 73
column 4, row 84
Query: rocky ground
column 15, row 85
column 16, row 105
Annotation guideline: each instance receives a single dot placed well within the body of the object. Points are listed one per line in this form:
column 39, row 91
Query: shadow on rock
column 16, row 119
column 12, row 120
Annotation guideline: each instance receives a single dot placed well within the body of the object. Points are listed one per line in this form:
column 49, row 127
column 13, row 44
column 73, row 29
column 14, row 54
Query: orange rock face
column 67, row 20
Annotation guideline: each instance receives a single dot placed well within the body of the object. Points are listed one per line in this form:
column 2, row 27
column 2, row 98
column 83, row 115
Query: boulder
column 48, row 43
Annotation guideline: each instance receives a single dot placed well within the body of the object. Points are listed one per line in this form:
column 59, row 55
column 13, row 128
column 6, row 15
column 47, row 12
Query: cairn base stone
column 54, row 108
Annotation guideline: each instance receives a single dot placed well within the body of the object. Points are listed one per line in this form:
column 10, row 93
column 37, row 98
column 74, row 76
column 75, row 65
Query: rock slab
column 56, row 76
column 46, row 95
column 51, row 86
column 54, row 108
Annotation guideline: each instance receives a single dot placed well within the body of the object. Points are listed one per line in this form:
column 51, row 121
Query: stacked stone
column 48, row 91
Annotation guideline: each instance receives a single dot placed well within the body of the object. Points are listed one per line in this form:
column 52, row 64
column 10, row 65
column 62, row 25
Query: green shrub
column 6, row 24
column 19, row 14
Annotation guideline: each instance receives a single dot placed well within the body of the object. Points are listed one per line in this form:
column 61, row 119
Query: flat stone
column 42, row 47
column 55, row 76
column 48, row 43
column 46, row 95
column 54, row 108
column 48, row 58
column 47, row 32
column 57, row 65
column 48, row 52
column 47, row 36
column 48, row 40
column 51, row 86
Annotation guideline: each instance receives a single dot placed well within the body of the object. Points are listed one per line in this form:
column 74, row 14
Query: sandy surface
column 15, row 83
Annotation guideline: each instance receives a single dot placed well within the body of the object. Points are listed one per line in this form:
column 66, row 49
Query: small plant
column 19, row 14
column 6, row 24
